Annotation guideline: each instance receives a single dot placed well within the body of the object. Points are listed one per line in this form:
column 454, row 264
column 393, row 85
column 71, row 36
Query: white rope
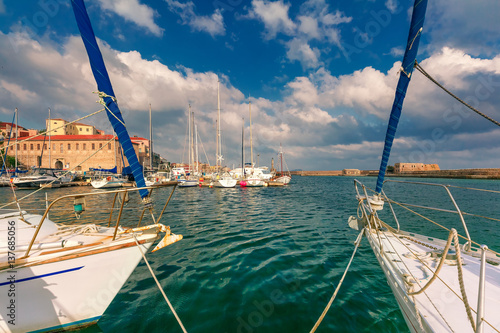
column 101, row 96
column 159, row 285
column 357, row 242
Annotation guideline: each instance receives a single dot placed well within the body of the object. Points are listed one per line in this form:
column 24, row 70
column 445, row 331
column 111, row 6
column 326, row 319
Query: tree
column 390, row 168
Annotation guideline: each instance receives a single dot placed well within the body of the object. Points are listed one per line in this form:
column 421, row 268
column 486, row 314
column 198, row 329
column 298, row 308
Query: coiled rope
column 452, row 236
column 159, row 285
column 427, row 75
column 357, row 242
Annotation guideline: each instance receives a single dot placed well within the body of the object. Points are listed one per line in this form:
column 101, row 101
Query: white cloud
column 320, row 115
column 133, row 11
column 274, row 15
column 300, row 50
column 2, row 7
column 214, row 24
column 392, row 5
column 314, row 24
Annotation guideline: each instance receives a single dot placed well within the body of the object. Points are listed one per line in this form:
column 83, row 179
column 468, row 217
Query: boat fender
column 109, row 178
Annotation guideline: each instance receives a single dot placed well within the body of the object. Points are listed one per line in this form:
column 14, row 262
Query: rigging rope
column 421, row 70
column 159, row 285
column 357, row 242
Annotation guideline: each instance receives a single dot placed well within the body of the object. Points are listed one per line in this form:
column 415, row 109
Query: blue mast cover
column 104, row 85
column 417, row 22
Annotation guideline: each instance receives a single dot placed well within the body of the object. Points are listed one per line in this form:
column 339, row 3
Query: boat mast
column 243, row 148
column 251, row 142
column 219, row 141
column 281, row 159
column 150, row 140
column 50, row 145
column 190, row 138
column 17, row 132
column 196, row 146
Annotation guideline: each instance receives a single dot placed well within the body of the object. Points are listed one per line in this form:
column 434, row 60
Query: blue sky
column 320, row 76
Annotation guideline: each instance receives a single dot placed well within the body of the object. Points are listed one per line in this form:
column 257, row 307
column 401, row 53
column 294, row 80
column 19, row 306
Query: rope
column 101, row 96
column 421, row 70
column 159, row 285
column 357, row 242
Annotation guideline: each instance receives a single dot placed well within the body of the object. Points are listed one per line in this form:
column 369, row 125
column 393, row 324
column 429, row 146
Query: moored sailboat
column 440, row 285
column 61, row 277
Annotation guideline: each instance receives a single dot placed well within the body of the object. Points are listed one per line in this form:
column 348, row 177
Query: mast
column 190, row 138
column 281, row 159
column 243, row 148
column 50, row 148
column 150, row 140
column 219, row 141
column 17, row 132
column 196, row 147
column 416, row 27
column 251, row 142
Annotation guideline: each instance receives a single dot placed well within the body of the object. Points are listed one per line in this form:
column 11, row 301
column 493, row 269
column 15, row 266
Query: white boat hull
column 188, row 183
column 225, row 183
column 438, row 309
column 103, row 183
column 283, row 179
column 69, row 293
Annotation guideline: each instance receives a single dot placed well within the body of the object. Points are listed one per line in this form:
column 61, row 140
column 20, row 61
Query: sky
column 320, row 76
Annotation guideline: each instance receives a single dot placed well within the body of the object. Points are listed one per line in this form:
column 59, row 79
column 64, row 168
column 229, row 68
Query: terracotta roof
column 74, row 137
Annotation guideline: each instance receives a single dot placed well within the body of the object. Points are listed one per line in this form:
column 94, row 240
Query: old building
column 351, row 172
column 68, row 151
column 411, row 167
column 60, row 126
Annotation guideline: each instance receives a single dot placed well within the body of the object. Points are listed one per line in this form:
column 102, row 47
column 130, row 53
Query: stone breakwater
column 459, row 173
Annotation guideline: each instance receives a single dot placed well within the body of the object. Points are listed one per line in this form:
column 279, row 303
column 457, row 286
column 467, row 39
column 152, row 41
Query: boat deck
column 409, row 262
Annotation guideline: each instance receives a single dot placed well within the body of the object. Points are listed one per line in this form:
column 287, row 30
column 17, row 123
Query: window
column 84, row 146
column 77, row 146
column 93, row 146
column 61, row 147
column 54, row 147
column 69, row 146
column 24, row 147
column 100, row 145
column 109, row 146
column 18, row 146
column 31, row 146
column 87, row 129
column 44, row 146
column 37, row 146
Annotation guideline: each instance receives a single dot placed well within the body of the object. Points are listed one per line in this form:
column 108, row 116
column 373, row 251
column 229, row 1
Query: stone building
column 68, row 151
column 351, row 172
column 72, row 129
column 411, row 167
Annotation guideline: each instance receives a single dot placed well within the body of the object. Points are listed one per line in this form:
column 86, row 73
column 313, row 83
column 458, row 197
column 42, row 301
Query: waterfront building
column 410, row 167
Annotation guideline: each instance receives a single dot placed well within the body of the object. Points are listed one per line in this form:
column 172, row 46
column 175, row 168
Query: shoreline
column 489, row 173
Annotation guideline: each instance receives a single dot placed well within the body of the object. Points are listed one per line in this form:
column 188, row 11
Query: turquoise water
column 268, row 260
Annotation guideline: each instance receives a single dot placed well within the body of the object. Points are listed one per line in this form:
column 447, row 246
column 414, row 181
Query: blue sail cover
column 104, row 85
column 417, row 22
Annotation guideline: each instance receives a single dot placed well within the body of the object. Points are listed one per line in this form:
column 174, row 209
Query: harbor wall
column 491, row 173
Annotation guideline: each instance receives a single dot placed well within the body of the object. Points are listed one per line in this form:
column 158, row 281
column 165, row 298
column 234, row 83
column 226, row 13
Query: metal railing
column 123, row 200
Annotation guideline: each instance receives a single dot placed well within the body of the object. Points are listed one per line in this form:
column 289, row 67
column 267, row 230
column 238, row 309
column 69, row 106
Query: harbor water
column 267, row 259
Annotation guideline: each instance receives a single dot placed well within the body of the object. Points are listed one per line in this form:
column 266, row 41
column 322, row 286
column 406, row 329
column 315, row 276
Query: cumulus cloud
column 133, row 11
column 274, row 15
column 449, row 27
column 320, row 116
column 314, row 24
column 213, row 25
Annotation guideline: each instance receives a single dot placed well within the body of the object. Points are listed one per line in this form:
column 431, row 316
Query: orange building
column 410, row 167
column 68, row 151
